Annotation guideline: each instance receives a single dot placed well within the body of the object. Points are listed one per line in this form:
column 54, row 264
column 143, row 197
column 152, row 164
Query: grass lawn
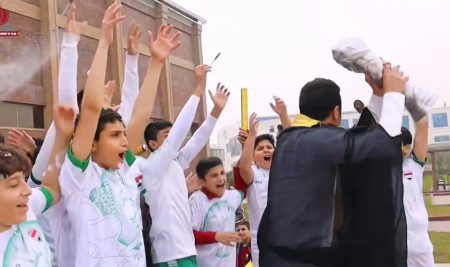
column 427, row 183
column 441, row 243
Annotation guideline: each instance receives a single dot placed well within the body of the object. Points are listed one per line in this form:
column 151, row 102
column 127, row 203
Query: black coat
column 297, row 226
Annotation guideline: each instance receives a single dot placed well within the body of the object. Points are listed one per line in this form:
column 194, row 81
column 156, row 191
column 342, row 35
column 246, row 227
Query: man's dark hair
column 204, row 165
column 243, row 222
column 406, row 136
column 263, row 137
column 318, row 98
column 80, row 95
column 2, row 139
column 13, row 160
column 106, row 116
column 151, row 131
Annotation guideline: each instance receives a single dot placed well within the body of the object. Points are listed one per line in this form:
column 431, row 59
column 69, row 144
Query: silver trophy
column 353, row 54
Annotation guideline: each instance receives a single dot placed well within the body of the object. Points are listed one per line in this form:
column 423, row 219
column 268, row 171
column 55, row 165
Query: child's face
column 215, row 180
column 109, row 150
column 243, row 232
column 263, row 154
column 161, row 137
column 14, row 194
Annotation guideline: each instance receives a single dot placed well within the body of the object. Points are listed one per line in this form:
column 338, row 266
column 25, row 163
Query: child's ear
column 153, row 145
column 94, row 147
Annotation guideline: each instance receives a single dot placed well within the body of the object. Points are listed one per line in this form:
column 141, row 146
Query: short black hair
column 263, row 137
column 243, row 222
column 318, row 98
column 151, row 131
column 406, row 136
column 204, row 165
column 106, row 116
column 13, row 160
column 80, row 95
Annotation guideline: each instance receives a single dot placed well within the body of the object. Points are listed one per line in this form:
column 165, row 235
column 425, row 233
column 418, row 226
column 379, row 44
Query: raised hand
column 193, row 183
column 73, row 26
column 227, row 238
column 164, row 44
column 64, row 117
column 200, row 77
column 110, row 19
column 22, row 140
column 253, row 125
column 393, row 79
column 220, row 99
column 279, row 107
column 134, row 34
column 110, row 89
column 242, row 136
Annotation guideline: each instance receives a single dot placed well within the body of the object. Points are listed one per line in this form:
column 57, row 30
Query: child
column 244, row 255
column 213, row 216
column 254, row 167
column 22, row 240
column 100, row 198
column 164, row 181
column 420, row 249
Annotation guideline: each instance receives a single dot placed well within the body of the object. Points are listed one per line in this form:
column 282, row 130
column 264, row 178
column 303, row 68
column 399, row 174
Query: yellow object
column 304, row 121
column 249, row 264
column 244, row 109
column 140, row 150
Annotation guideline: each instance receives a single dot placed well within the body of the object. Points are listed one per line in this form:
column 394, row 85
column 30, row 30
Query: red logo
column 4, row 16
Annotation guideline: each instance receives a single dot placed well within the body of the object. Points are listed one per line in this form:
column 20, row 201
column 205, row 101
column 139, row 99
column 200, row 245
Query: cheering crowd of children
column 79, row 201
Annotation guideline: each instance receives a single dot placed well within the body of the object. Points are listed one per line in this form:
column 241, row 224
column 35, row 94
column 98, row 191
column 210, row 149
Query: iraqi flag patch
column 408, row 175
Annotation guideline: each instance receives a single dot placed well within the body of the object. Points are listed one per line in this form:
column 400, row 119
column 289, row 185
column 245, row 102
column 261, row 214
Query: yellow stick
column 244, row 109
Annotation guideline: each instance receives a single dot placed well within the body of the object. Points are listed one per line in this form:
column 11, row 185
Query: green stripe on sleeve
column 48, row 198
column 82, row 164
column 414, row 157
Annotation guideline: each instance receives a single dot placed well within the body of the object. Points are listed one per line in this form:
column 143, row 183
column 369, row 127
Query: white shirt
column 215, row 215
column 257, row 197
column 420, row 249
column 103, row 211
column 165, row 185
column 24, row 244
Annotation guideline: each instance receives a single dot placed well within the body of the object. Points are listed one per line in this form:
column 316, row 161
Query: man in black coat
column 297, row 226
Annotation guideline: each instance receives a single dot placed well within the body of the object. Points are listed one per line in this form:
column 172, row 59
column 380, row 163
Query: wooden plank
column 182, row 62
column 88, row 31
column 165, row 79
column 49, row 31
column 22, row 8
column 35, row 133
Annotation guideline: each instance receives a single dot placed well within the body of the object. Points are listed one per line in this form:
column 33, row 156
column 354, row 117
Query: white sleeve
column 196, row 214
column 40, row 200
column 74, row 174
column 159, row 160
column 392, row 113
column 130, row 88
column 197, row 142
column 375, row 105
column 42, row 159
column 67, row 80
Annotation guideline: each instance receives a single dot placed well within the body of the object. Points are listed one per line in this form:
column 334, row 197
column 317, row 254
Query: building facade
column 40, row 24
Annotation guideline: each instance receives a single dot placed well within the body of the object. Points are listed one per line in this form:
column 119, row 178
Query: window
column 217, row 152
column 440, row 120
column 235, row 148
column 19, row 115
column 405, row 122
column 345, row 124
column 441, row 138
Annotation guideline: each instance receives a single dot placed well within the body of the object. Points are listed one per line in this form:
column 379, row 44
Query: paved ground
column 439, row 226
column 440, row 200
column 443, row 265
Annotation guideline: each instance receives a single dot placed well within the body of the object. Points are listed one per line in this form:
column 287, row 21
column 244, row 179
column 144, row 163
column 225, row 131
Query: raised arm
column 160, row 49
column 420, row 148
column 93, row 94
column 281, row 110
column 63, row 117
column 130, row 87
column 67, row 89
column 246, row 160
column 201, row 136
